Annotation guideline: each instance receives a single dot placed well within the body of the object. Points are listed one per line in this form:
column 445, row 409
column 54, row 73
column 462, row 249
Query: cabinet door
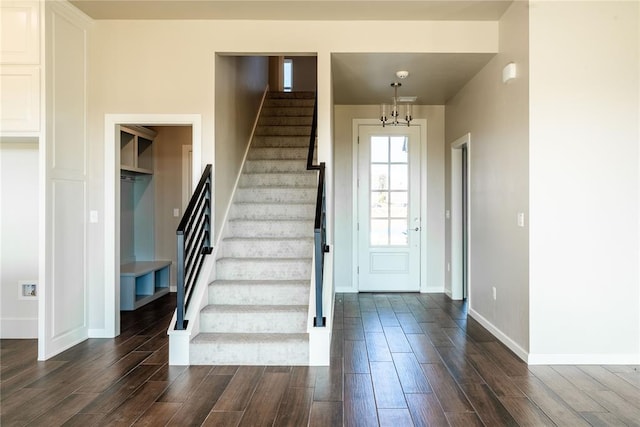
column 20, row 32
column 20, row 99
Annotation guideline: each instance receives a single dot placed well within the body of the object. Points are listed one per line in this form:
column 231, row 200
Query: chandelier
column 390, row 114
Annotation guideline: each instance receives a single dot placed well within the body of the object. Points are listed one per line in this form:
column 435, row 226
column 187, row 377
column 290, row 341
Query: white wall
column 170, row 67
column 496, row 116
column 432, row 164
column 584, row 182
column 18, row 237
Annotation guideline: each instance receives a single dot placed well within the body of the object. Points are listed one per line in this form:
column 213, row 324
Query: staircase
column 258, row 304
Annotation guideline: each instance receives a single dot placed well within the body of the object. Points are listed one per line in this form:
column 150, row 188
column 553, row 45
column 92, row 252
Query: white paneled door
column 63, row 319
column 388, row 208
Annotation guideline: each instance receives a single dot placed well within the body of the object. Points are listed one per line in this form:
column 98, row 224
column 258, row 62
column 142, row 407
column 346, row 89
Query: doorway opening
column 460, row 220
column 160, row 124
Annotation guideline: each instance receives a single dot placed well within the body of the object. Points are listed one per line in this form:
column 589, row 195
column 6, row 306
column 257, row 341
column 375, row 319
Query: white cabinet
column 20, row 96
column 20, row 32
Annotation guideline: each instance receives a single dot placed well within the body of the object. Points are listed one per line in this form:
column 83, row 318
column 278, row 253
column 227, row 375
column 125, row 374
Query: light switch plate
column 176, row 212
column 93, row 217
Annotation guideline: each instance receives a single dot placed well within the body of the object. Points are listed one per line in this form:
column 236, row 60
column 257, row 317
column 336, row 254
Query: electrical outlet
column 93, row 217
column 520, row 219
column 176, row 212
column 494, row 293
column 447, row 214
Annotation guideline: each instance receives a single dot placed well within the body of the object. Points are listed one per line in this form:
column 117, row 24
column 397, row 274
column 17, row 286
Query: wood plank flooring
column 396, row 360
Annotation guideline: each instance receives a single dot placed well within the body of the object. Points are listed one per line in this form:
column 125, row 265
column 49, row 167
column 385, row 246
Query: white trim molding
column 455, row 222
column 583, row 359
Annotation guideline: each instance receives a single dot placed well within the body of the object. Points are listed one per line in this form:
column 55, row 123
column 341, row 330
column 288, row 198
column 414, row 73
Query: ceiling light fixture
column 393, row 110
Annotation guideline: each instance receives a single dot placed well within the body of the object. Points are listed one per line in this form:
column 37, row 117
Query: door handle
column 416, row 229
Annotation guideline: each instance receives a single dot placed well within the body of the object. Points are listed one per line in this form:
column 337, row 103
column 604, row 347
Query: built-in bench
column 142, row 282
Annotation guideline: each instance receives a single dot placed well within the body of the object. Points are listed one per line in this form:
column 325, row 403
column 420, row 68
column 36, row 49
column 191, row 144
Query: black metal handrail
column 320, row 223
column 194, row 243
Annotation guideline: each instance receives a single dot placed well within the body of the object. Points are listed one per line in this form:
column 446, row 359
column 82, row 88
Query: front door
column 388, row 208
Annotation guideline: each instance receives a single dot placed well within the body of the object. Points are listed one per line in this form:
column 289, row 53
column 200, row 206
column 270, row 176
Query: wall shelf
column 136, row 149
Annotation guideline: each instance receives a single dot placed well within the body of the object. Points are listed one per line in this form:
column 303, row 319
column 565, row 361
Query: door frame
column 112, row 203
column 457, row 262
column 422, row 124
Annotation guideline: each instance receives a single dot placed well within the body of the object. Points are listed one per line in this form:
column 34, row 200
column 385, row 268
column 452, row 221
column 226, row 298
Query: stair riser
column 270, row 166
column 275, row 111
column 283, row 130
column 272, row 211
column 308, row 179
column 276, row 153
column 285, row 121
column 271, row 228
column 269, row 322
column 271, row 195
column 259, row 294
column 238, row 269
column 291, row 95
column 289, row 103
column 254, row 248
column 281, row 141
column 261, row 354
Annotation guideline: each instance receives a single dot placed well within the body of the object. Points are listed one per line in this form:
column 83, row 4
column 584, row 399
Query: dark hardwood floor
column 396, row 360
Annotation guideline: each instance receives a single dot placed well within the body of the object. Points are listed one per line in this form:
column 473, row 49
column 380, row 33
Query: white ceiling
column 358, row 78
column 484, row 10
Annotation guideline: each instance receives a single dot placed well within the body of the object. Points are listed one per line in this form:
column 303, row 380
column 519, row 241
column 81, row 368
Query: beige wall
column 153, row 67
column 18, row 236
column 240, row 86
column 305, row 73
column 168, row 177
column 584, row 156
column 275, row 73
column 432, row 165
column 496, row 116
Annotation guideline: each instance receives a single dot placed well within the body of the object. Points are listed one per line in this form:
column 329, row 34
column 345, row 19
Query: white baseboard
column 18, row 328
column 100, row 333
column 345, row 290
column 511, row 344
column 432, row 290
column 583, row 359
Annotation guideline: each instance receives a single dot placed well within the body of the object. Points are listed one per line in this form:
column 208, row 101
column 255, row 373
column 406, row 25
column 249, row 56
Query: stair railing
column 194, row 243
column 320, row 224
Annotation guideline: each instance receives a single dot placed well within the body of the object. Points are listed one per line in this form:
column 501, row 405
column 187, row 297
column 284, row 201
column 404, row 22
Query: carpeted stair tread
column 231, row 308
column 261, row 282
column 248, row 337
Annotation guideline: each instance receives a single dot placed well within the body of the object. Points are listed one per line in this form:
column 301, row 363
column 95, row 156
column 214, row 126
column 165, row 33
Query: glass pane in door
column 389, row 191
